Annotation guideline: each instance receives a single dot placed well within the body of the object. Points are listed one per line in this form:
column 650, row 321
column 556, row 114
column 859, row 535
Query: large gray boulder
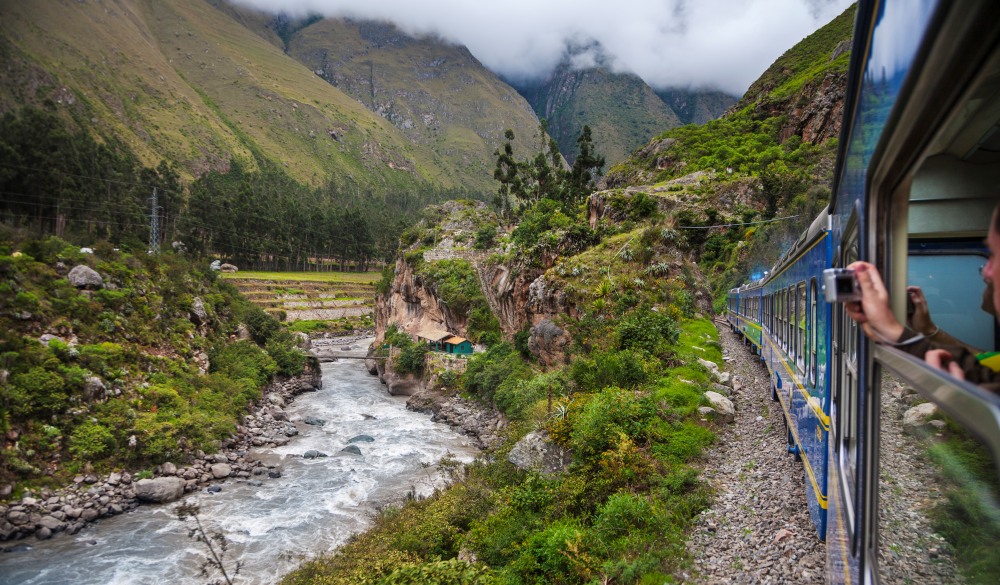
column 199, row 316
column 722, row 405
column 536, row 453
column 160, row 489
column 83, row 276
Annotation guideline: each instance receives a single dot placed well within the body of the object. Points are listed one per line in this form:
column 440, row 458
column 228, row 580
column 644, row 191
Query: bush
column 243, row 359
column 486, row 371
column 449, row 572
column 37, row 392
column 625, row 369
column 647, row 330
column 609, row 414
column 91, row 440
column 411, row 358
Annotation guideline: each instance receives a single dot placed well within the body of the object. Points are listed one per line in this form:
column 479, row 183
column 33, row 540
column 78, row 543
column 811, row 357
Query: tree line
column 56, row 179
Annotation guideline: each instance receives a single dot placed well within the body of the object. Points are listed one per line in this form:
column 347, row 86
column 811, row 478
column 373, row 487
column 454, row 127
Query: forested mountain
column 195, row 83
column 254, row 156
column 620, row 108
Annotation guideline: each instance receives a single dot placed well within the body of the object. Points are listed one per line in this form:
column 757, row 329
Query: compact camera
column 840, row 285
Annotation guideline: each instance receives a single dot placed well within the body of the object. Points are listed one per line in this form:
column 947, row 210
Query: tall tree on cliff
column 586, row 168
column 545, row 176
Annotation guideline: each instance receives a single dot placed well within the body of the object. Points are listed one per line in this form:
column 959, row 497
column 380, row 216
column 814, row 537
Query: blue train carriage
column 744, row 314
column 794, row 324
column 917, row 176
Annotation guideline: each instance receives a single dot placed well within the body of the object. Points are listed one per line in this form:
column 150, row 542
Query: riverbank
column 90, row 497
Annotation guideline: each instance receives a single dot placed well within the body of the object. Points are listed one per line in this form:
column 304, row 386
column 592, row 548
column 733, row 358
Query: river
column 315, row 506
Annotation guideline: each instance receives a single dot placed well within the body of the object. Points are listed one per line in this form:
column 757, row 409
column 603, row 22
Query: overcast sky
column 723, row 44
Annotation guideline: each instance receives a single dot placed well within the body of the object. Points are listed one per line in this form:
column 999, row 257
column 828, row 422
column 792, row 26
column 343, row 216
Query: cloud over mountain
column 723, row 44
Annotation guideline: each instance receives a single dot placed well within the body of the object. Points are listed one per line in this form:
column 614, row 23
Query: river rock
column 351, row 449
column 536, row 453
column 312, row 420
column 159, row 490
column 221, row 470
column 168, row 468
column 313, row 454
column 362, row 439
column 85, row 277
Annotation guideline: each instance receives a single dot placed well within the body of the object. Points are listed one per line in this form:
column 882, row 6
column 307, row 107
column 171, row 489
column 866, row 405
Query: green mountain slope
column 189, row 82
column 620, row 108
column 438, row 95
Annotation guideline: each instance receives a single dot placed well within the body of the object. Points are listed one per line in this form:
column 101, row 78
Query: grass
column 334, row 277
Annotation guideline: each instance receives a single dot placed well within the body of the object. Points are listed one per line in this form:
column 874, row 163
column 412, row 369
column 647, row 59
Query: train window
column 812, row 330
column 800, row 328
column 786, row 318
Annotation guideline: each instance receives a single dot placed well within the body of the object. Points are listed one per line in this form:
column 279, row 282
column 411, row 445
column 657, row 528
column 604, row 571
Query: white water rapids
column 315, row 506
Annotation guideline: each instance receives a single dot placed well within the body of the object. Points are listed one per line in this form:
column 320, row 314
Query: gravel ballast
column 758, row 529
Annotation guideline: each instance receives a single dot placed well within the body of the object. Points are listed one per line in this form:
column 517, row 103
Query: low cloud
column 723, row 44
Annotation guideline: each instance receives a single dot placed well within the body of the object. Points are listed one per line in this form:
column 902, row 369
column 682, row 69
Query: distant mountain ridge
column 622, row 110
column 202, row 83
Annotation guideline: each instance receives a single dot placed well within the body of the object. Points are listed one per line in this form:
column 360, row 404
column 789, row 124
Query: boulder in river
column 160, row 489
column 362, row 439
column 313, row 454
column 351, row 449
column 312, row 420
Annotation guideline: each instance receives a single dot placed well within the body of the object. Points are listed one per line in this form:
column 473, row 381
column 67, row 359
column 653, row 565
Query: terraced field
column 330, row 301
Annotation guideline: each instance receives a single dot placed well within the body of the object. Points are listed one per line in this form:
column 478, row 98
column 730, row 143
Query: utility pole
column 154, row 225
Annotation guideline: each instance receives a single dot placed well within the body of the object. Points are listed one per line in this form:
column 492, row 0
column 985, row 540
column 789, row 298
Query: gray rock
column 722, row 405
column 314, row 454
column 52, row 523
column 351, row 449
column 168, row 468
column 221, row 470
column 535, row 452
column 918, row 416
column 213, row 489
column 160, row 489
column 274, row 474
column 312, row 420
column 199, row 316
column 83, row 276
column 362, row 439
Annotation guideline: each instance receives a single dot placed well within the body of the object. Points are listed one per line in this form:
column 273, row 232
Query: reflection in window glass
column 939, row 500
column 954, row 291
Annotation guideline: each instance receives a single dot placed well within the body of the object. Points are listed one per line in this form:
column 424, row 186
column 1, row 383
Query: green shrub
column 37, row 392
column 626, row 369
column 486, row 371
column 261, row 325
column 243, row 359
column 608, row 414
column 91, row 440
column 411, row 358
column 647, row 330
column 449, row 572
column 288, row 359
